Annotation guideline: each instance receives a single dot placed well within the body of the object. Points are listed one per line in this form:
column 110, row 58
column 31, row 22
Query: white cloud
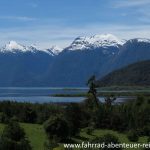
column 144, row 15
column 19, row 18
column 130, row 3
column 139, row 9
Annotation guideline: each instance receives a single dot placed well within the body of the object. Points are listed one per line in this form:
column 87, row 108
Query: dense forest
column 134, row 74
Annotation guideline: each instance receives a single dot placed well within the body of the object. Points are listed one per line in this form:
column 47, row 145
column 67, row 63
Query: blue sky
column 58, row 22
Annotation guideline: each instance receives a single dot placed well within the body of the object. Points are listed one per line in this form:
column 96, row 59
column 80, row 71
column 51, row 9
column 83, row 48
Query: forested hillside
column 134, row 74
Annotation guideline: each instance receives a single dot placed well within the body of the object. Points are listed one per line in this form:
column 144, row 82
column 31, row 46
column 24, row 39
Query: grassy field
column 37, row 137
column 1, row 128
column 35, row 134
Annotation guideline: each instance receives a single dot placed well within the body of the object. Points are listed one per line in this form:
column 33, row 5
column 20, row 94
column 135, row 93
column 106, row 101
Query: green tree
column 73, row 115
column 57, row 129
column 92, row 101
column 92, row 86
column 30, row 115
column 3, row 117
column 13, row 138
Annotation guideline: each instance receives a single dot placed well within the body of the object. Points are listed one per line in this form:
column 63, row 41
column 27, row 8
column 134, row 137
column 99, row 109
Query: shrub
column 56, row 128
column 50, row 144
column 148, row 141
column 89, row 130
column 133, row 136
column 3, row 118
column 146, row 130
column 107, row 139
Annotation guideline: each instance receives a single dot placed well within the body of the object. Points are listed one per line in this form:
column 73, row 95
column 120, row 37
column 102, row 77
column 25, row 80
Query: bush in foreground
column 13, row 138
column 107, row 139
column 57, row 129
column 133, row 136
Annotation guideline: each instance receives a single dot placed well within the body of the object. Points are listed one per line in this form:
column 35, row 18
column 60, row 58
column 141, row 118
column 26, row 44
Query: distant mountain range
column 72, row 66
column 134, row 74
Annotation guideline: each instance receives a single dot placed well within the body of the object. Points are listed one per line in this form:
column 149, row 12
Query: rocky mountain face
column 72, row 66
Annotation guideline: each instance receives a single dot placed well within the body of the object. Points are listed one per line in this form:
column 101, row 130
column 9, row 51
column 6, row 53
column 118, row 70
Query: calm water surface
column 43, row 95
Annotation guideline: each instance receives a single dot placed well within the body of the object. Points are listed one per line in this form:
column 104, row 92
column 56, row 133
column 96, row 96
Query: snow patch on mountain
column 143, row 40
column 139, row 40
column 13, row 45
column 103, row 40
column 55, row 50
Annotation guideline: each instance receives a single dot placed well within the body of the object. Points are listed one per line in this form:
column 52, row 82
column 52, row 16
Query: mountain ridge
column 80, row 43
column 31, row 66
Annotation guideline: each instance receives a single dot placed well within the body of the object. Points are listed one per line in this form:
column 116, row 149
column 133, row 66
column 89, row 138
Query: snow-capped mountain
column 55, row 50
column 72, row 66
column 96, row 41
column 14, row 47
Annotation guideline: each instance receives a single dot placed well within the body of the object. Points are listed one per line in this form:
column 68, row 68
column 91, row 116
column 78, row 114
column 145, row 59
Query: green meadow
column 37, row 136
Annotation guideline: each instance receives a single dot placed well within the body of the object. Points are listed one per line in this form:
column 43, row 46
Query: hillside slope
column 134, row 74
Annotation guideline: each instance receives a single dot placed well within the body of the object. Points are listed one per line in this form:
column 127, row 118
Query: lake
column 43, row 95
